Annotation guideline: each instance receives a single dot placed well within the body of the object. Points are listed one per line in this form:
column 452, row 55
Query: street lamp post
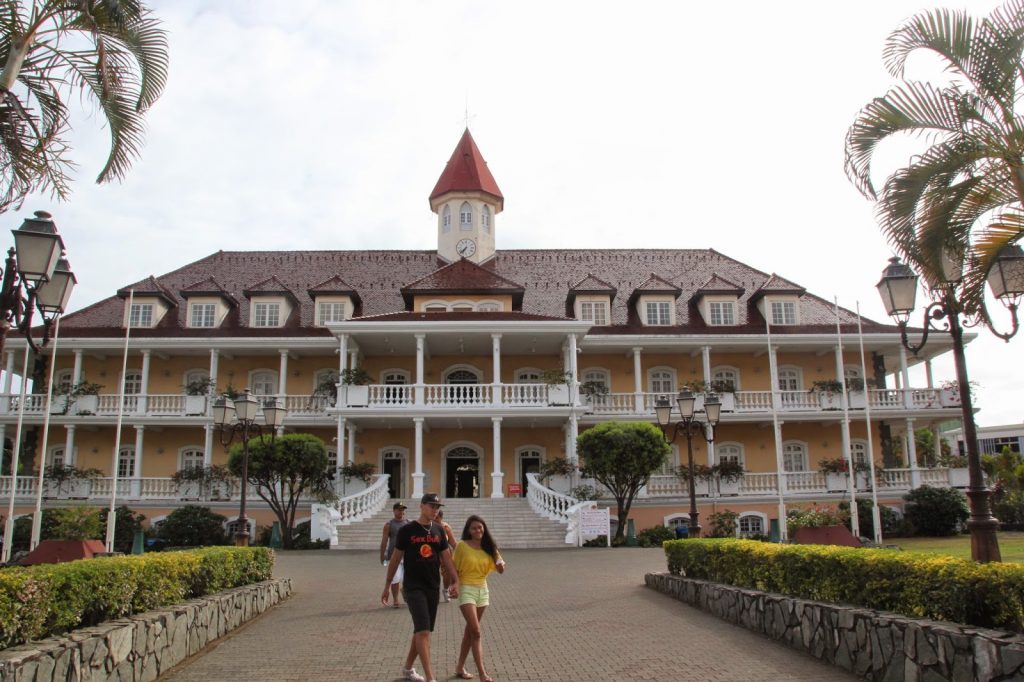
column 898, row 289
column 239, row 416
column 689, row 425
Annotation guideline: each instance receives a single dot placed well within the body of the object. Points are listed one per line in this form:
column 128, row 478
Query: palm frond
column 949, row 34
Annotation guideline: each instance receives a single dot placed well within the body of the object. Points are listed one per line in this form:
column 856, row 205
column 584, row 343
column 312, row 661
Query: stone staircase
column 511, row 521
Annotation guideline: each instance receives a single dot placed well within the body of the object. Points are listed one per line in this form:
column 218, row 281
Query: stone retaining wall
column 142, row 646
column 871, row 644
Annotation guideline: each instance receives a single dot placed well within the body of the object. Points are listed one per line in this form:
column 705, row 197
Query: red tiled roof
column 654, row 285
column 207, row 287
column 593, row 285
column 463, row 277
column 719, row 285
column 778, row 285
column 147, row 287
column 336, row 286
column 271, row 285
column 545, row 277
column 467, row 172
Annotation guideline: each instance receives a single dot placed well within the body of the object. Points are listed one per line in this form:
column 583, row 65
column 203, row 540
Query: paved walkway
column 556, row 615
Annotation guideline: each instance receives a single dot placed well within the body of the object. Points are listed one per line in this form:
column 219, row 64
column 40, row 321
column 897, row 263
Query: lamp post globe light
column 898, row 289
column 36, row 277
column 239, row 416
column 690, row 425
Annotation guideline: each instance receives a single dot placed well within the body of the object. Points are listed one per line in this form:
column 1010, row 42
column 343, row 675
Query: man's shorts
column 422, row 607
column 478, row 595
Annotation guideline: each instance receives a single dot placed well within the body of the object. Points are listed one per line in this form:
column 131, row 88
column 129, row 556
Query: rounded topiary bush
column 936, row 511
column 192, row 526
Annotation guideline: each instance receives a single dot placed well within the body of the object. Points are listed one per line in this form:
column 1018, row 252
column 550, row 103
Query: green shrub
column 723, row 524
column 50, row 599
column 192, row 526
column 936, row 511
column 893, row 524
column 814, row 518
column 914, row 584
column 77, row 523
column 654, row 536
column 127, row 522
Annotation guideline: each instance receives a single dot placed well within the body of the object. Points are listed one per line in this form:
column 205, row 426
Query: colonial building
column 463, row 346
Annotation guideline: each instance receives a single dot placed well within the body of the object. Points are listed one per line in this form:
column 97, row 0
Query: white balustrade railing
column 364, row 503
column 165, row 404
column 937, row 478
column 666, row 486
column 759, row 483
column 547, row 502
column 753, row 401
column 457, row 395
column 613, row 403
column 528, row 395
column 391, row 395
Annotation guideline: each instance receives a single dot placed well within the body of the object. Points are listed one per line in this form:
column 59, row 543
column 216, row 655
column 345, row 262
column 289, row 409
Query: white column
column 417, row 474
column 351, row 456
column 420, row 343
column 905, row 376
column 8, row 380
column 140, row 407
column 342, row 353
column 496, row 368
column 911, row 450
column 571, row 454
column 937, row 436
column 214, row 368
column 928, row 373
column 282, row 375
column 69, row 446
column 353, row 359
column 638, row 382
column 140, row 431
column 573, row 368
column 76, row 373
column 339, row 445
column 844, row 434
column 207, row 445
column 705, row 353
column 497, row 475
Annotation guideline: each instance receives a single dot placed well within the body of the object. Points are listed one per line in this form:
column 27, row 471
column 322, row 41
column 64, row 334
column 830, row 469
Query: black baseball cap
column 431, row 498
column 398, row 505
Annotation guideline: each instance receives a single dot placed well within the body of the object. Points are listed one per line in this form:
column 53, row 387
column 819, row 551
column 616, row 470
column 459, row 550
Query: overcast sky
column 324, row 125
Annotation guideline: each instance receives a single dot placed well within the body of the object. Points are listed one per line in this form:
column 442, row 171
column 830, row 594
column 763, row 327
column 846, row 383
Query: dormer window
column 783, row 312
column 485, row 219
column 329, row 311
column 141, row 315
column 594, row 311
column 658, row 313
column 202, row 315
column 466, row 217
column 721, row 313
column 266, row 315
column 446, row 219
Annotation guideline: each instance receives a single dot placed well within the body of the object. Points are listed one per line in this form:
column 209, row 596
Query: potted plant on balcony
column 356, row 471
column 356, row 382
column 593, row 391
column 728, row 474
column 829, row 392
column 196, row 482
column 702, row 475
column 959, row 475
column 855, row 391
column 85, row 397
column 196, row 392
column 837, row 473
column 949, row 392
column 726, row 391
column 558, row 381
column 69, row 482
column 326, row 391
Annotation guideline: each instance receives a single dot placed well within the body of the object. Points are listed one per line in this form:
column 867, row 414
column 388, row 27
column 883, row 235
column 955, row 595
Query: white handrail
column 547, row 502
column 365, row 503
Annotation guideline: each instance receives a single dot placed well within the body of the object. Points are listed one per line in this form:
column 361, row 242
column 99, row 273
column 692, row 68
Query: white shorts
column 399, row 574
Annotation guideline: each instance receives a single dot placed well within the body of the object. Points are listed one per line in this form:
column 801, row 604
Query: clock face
column 465, row 248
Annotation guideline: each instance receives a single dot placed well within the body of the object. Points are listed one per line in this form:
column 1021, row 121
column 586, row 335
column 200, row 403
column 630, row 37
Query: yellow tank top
column 473, row 565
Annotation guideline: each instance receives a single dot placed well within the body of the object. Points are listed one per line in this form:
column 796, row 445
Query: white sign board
column 594, row 522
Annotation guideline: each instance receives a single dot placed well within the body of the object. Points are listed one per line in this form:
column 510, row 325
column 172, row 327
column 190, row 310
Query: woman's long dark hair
column 487, row 543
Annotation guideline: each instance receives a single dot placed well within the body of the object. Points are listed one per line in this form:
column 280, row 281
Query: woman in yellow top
column 476, row 557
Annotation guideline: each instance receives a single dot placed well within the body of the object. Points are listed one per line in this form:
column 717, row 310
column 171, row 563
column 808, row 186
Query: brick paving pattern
column 555, row 615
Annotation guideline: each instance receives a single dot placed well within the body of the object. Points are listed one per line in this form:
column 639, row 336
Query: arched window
column 661, row 380
column 466, row 217
column 751, row 524
column 197, row 376
column 726, row 375
column 729, row 452
column 133, row 382
column 790, row 379
column 528, row 375
column 852, row 372
column 446, row 219
column 126, row 462
column 671, row 463
column 56, row 458
column 263, row 382
column 677, row 520
column 596, row 376
column 190, row 457
column 794, row 456
column 485, row 219
column 859, row 452
column 462, row 375
column 62, row 381
column 332, row 458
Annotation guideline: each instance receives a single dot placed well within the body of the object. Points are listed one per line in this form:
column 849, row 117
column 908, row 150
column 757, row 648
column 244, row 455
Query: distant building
column 991, row 439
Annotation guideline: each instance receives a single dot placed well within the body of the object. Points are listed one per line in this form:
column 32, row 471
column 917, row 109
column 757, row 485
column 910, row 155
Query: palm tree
column 113, row 50
column 961, row 198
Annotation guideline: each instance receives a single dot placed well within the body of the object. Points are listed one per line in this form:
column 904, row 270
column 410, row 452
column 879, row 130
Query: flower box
column 59, row 404
column 858, row 400
column 195, row 404
column 728, row 401
column 70, row 489
column 728, row 486
column 829, row 401
column 949, row 397
column 357, row 396
column 86, row 404
column 835, row 482
column 558, row 394
column 959, row 477
column 190, row 490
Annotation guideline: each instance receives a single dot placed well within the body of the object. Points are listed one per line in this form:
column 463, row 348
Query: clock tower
column 466, row 200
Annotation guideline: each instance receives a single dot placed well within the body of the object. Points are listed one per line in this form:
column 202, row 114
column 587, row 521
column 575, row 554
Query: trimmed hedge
column 49, row 599
column 910, row 583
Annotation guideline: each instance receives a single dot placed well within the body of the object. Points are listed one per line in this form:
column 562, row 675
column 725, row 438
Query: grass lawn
column 1011, row 545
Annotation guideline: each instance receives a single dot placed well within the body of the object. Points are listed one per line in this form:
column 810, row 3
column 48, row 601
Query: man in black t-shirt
column 424, row 547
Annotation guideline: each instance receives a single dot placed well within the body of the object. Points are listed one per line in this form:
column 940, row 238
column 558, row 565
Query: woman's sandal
column 463, row 675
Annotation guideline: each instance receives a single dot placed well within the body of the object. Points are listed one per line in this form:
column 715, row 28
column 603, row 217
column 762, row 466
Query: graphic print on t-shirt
column 422, row 546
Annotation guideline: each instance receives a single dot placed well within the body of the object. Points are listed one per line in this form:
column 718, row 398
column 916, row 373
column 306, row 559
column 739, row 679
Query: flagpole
column 5, row 555
column 773, row 374
column 876, row 514
column 37, row 516
column 845, row 429
column 111, row 515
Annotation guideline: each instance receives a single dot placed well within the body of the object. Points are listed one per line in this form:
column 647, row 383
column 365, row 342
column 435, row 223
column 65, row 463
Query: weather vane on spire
column 466, row 117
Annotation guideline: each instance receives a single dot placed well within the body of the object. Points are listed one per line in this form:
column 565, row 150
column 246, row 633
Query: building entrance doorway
column 462, row 473
column 529, row 463
column 393, row 464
